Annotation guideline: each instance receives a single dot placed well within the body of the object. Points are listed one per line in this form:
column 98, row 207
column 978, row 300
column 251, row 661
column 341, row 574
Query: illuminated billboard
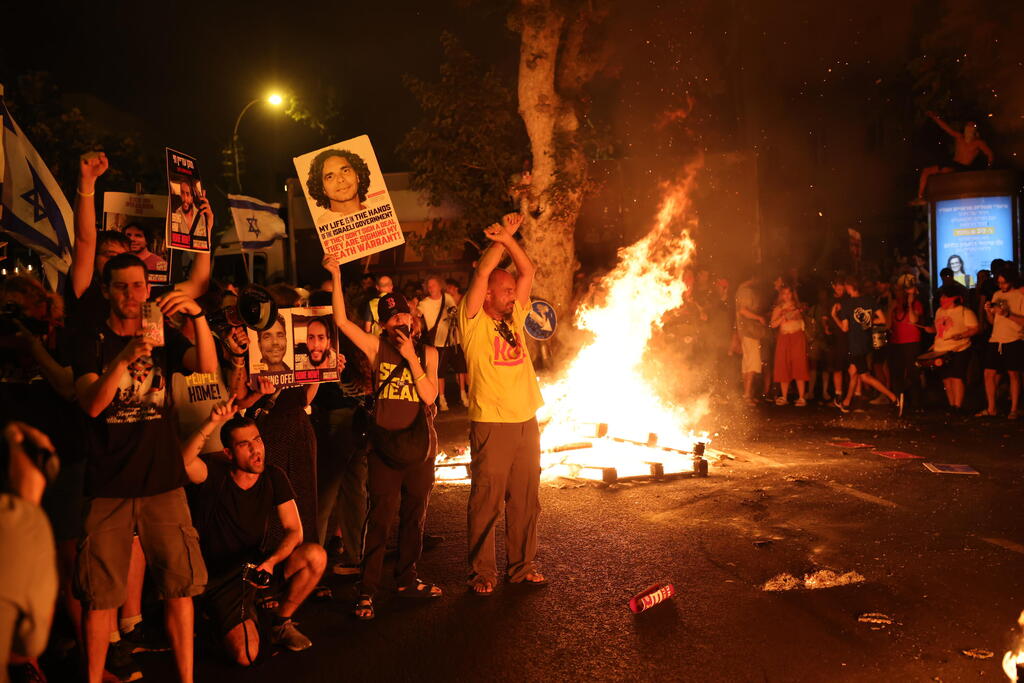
column 970, row 233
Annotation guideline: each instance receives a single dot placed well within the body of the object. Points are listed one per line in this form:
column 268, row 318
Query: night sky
column 821, row 95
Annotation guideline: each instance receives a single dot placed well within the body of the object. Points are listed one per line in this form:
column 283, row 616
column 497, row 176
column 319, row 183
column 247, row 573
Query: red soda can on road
column 651, row 596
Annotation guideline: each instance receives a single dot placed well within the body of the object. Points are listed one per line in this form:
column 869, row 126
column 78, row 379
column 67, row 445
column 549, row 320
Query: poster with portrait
column 186, row 224
column 350, row 205
column 142, row 218
column 300, row 348
column 970, row 233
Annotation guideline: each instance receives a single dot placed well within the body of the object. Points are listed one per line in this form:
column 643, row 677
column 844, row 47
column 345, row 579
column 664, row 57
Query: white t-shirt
column 430, row 309
column 950, row 322
column 1004, row 330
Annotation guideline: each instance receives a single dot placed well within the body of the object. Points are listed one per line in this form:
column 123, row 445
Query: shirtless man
column 965, row 157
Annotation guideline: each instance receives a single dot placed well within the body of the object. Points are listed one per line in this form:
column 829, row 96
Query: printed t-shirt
column 232, row 522
column 953, row 321
column 502, row 383
column 132, row 446
column 1004, row 330
column 860, row 312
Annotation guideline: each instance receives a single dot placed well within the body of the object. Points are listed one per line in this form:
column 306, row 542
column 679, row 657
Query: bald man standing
column 503, row 400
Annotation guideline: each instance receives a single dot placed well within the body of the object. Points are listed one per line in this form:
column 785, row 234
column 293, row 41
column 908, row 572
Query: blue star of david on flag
column 257, row 223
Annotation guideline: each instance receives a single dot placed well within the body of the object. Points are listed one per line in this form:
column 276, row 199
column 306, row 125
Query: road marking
column 1003, row 543
column 843, row 488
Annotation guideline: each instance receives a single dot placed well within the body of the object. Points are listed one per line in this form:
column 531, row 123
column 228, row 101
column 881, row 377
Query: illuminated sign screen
column 970, row 233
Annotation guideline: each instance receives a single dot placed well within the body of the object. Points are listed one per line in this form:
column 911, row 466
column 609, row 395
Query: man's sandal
column 481, row 587
column 420, row 591
column 364, row 608
column 534, row 578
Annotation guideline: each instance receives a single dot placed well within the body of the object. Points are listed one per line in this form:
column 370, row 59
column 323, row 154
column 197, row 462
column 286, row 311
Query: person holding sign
column 402, row 437
column 503, row 400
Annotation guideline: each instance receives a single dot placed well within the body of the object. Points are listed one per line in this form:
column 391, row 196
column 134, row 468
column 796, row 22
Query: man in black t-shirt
column 233, row 503
column 855, row 316
column 134, row 472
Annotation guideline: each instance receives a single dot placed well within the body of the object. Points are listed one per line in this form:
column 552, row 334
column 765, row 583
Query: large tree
column 560, row 53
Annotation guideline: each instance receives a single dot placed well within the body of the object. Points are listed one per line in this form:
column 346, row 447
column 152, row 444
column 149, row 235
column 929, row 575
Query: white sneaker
column 444, row 405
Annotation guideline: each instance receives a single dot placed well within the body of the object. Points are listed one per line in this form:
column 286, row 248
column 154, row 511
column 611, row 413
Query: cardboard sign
column 143, row 220
column 347, row 198
column 300, row 348
column 186, row 224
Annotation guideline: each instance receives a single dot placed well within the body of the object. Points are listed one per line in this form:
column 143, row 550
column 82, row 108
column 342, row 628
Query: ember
column 1013, row 661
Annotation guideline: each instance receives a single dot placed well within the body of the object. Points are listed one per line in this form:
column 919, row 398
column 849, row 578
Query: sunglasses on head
column 506, row 333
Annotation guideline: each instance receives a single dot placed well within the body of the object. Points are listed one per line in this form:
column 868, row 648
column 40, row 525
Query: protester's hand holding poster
column 350, row 205
column 143, row 220
column 300, row 348
column 189, row 218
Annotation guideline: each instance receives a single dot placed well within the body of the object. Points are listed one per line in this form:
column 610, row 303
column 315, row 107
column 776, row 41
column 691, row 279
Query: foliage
column 61, row 134
column 468, row 145
column 971, row 64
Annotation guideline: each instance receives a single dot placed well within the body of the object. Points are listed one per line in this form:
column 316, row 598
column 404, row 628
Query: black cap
column 389, row 304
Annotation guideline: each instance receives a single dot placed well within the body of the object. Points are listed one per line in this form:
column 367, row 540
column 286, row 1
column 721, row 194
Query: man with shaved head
column 503, row 400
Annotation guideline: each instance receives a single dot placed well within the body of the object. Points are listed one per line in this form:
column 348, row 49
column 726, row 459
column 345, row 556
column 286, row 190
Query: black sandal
column 363, row 611
column 420, row 591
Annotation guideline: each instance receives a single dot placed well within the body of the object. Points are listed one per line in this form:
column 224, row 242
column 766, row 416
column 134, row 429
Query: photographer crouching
column 233, row 503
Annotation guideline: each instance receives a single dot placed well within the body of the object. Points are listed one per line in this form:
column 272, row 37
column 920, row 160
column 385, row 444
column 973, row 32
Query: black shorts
column 859, row 361
column 451, row 360
column 228, row 600
column 954, row 365
column 1005, row 357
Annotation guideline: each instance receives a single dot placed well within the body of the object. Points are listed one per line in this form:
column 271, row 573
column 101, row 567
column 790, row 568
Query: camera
column 255, row 577
column 11, row 314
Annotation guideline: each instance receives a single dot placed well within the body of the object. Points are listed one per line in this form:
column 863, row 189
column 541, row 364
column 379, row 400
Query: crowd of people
column 880, row 340
column 175, row 482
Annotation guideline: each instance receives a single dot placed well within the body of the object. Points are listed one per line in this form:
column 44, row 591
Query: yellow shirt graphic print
column 401, row 387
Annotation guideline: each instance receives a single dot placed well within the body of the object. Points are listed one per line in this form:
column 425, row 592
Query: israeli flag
column 257, row 223
column 33, row 210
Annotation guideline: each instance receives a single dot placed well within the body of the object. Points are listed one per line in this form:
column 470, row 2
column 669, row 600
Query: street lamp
column 274, row 100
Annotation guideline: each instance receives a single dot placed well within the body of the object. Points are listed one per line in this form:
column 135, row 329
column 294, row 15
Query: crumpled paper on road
column 823, row 578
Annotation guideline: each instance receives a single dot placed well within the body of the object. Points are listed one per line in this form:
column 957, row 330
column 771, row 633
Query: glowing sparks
column 1013, row 659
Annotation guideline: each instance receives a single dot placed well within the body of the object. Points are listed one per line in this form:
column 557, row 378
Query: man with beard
column 138, row 244
column 134, row 474
column 234, row 502
column 503, row 400
column 190, row 219
column 338, row 181
column 319, row 354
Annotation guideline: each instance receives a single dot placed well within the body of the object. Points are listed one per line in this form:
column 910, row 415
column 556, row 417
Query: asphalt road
column 941, row 556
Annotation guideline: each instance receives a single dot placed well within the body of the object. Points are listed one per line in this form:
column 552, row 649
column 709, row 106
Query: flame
column 606, row 382
column 1012, row 659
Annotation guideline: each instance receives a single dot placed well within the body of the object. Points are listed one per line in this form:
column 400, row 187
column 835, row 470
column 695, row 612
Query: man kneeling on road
column 232, row 505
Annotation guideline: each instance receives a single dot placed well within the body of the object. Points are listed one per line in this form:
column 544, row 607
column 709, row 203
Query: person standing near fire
column 503, row 400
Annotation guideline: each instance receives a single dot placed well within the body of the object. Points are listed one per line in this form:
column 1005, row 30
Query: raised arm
column 194, row 466
column 943, row 125
column 90, row 167
column 199, row 276
column 203, row 356
column 366, row 342
column 489, row 261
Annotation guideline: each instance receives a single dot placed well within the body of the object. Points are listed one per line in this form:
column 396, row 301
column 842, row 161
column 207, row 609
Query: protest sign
column 350, row 205
column 300, row 348
column 186, row 224
column 143, row 220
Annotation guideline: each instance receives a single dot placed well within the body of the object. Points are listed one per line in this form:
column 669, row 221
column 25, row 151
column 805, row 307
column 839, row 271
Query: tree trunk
column 549, row 52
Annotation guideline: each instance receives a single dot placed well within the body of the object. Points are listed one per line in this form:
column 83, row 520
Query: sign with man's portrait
column 300, row 348
column 187, row 226
column 142, row 219
column 347, row 198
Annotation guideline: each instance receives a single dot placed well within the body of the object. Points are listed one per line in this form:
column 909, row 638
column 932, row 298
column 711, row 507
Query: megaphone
column 254, row 309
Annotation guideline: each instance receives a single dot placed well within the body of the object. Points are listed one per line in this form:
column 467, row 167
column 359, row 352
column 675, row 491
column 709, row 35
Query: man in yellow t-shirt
column 503, row 400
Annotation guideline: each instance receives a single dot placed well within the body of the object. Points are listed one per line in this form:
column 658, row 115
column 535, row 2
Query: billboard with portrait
column 142, row 219
column 300, row 348
column 970, row 233
column 348, row 200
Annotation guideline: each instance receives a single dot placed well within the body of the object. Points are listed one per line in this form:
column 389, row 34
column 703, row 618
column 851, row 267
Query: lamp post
column 273, row 100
